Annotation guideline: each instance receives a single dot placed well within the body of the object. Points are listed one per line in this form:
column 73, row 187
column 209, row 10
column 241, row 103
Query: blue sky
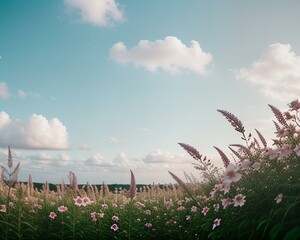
column 99, row 87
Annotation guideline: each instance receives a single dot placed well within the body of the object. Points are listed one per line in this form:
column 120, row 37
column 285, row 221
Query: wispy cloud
column 23, row 94
column 4, row 93
column 276, row 72
column 169, row 54
column 145, row 129
column 84, row 146
column 35, row 133
column 113, row 140
column 98, row 12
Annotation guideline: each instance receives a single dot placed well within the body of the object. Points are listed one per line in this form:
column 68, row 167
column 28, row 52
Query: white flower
column 239, row 200
column 278, row 198
column 231, row 174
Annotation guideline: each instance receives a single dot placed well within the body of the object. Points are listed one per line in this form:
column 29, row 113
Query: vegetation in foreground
column 256, row 196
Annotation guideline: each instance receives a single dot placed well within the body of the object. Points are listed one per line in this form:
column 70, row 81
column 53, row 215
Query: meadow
column 256, row 195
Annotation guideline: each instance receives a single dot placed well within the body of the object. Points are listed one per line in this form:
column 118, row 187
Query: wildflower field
column 255, row 196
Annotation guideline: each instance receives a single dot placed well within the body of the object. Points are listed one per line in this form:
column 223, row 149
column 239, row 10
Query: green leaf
column 275, row 230
column 262, row 222
column 293, row 234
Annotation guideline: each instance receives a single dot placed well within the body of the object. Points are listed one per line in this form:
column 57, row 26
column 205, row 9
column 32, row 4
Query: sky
column 99, row 87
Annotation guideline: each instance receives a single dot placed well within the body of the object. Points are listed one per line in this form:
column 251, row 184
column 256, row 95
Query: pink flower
column 239, row 200
column 294, row 105
column 52, row 215
column 256, row 165
column 139, row 205
column 104, row 205
column 217, row 223
column 2, row 208
column 225, row 202
column 282, row 132
column 148, row 212
column 101, row 215
column 86, row 201
column 94, row 216
column 114, row 205
column 226, row 188
column 278, row 198
column 285, row 150
column 78, row 201
column 297, row 150
column 231, row 174
column 216, row 207
column 245, row 164
column 149, row 225
column 37, row 206
column 193, row 209
column 115, row 218
column 114, row 227
column 273, row 153
column 181, row 208
column 188, row 217
column 205, row 210
column 62, row 208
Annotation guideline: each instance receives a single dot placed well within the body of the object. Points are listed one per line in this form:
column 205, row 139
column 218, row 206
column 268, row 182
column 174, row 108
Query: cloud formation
column 157, row 156
column 35, row 133
column 276, row 72
column 169, row 54
column 98, row 12
column 97, row 160
column 113, row 140
column 84, row 146
column 4, row 93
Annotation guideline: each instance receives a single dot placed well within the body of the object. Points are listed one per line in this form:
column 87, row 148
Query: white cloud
column 97, row 160
column 276, row 73
column 4, row 93
column 113, row 140
column 98, row 12
column 169, row 54
column 64, row 159
column 157, row 156
column 23, row 94
column 42, row 156
column 122, row 161
column 35, row 133
column 84, row 146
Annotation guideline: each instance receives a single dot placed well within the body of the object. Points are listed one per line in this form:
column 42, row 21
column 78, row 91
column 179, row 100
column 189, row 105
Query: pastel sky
column 99, row 87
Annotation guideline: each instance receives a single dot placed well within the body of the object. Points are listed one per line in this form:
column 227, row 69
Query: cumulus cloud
column 4, row 93
column 97, row 160
column 169, row 54
column 276, row 72
column 98, row 12
column 35, row 133
column 157, row 156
